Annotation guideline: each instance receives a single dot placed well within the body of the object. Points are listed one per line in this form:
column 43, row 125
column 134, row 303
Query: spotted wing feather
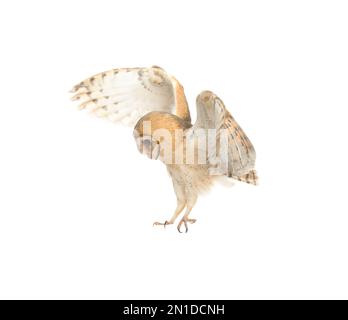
column 241, row 153
column 238, row 160
column 125, row 95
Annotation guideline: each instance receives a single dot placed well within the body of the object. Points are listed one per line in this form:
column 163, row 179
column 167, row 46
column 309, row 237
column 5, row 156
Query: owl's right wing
column 125, row 95
column 238, row 156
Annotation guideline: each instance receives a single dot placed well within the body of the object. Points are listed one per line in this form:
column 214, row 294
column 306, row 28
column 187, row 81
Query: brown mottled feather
column 242, row 151
column 250, row 178
column 239, row 158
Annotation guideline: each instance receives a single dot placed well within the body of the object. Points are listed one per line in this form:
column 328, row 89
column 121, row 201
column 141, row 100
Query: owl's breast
column 194, row 178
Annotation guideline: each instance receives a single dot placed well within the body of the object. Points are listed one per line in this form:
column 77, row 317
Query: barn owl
column 154, row 103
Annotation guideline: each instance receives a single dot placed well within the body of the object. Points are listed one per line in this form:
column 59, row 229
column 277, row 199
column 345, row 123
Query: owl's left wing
column 125, row 95
column 238, row 156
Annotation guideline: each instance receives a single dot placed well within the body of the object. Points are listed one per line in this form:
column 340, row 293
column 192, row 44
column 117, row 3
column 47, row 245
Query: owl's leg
column 181, row 203
column 178, row 210
column 185, row 219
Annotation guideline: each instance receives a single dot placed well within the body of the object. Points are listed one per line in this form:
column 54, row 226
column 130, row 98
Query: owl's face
column 147, row 146
column 154, row 134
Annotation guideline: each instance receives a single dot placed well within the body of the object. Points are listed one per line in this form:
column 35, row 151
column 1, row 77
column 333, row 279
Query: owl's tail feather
column 251, row 177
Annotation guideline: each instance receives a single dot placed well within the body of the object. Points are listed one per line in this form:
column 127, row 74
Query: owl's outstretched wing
column 125, row 95
column 239, row 156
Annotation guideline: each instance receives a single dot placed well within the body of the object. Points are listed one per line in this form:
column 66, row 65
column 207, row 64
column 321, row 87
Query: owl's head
column 154, row 134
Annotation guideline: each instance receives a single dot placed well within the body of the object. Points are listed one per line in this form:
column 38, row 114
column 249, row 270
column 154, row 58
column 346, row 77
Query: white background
column 78, row 200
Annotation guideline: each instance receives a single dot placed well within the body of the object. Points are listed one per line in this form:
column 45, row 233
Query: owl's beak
column 155, row 151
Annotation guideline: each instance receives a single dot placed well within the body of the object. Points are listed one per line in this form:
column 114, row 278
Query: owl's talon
column 164, row 224
column 182, row 221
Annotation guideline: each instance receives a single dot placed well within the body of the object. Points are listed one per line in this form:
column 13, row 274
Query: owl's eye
column 147, row 143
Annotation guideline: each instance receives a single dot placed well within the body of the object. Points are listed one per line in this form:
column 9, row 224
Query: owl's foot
column 185, row 221
column 164, row 224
